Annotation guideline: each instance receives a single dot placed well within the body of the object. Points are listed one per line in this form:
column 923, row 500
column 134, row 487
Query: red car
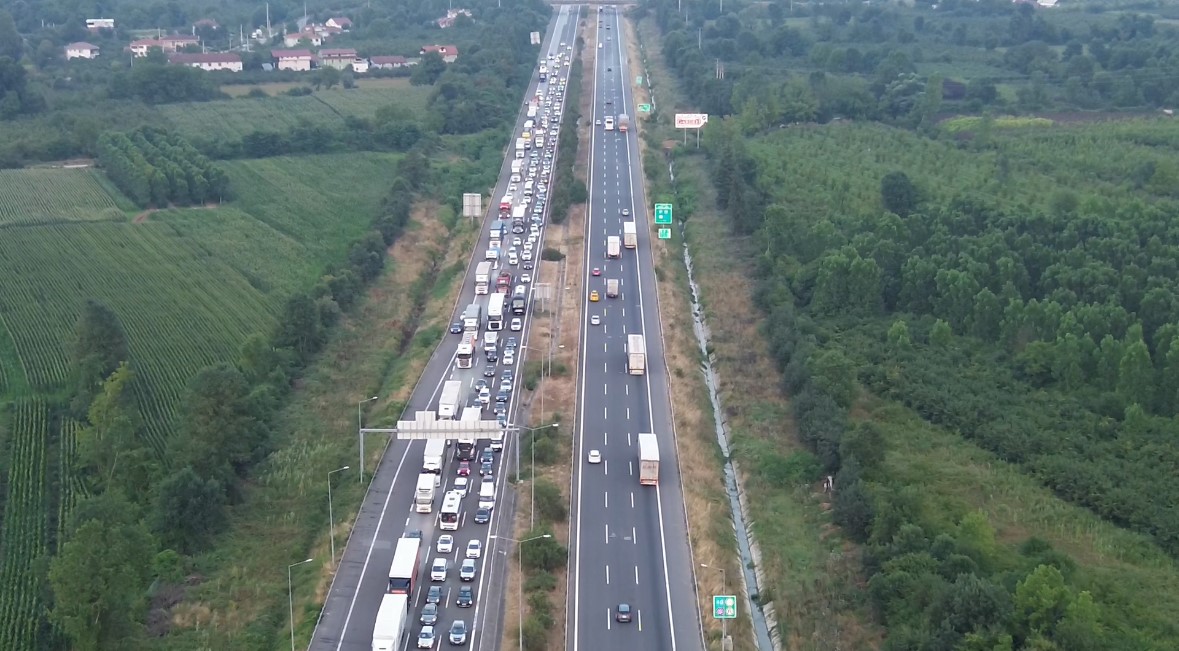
column 597, row 272
column 464, row 469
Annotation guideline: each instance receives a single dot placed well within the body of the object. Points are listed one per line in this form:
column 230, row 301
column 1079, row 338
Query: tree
column 940, row 334
column 1136, row 374
column 865, row 442
column 220, row 426
column 11, row 43
column 429, row 69
column 301, row 328
column 99, row 345
column 188, row 510
column 100, row 577
column 1040, row 601
column 109, row 448
column 898, row 335
column 835, row 374
column 898, row 194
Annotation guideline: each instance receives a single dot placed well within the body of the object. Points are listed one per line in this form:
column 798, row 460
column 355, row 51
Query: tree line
column 152, row 166
column 567, row 189
column 1044, row 333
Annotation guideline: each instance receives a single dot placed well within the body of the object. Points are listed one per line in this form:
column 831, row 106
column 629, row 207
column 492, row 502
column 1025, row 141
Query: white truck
column 648, row 460
column 490, row 341
column 482, row 277
column 611, row 288
column 449, row 403
column 520, row 144
column 613, row 247
column 630, row 235
column 391, row 621
column 636, row 355
column 519, row 211
column 432, row 458
column 517, row 165
column 472, row 317
column 423, row 497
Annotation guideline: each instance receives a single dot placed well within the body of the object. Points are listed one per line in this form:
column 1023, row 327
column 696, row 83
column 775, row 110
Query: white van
column 487, row 494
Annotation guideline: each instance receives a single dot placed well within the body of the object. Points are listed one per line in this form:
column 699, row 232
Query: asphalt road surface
column 350, row 610
column 629, row 542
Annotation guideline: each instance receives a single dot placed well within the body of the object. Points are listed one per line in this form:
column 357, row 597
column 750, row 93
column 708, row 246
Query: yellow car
column 594, row 296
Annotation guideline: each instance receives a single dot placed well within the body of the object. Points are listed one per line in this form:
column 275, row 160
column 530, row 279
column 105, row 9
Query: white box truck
column 630, row 235
column 613, row 247
column 451, row 400
column 423, row 498
column 432, row 459
column 611, row 288
column 482, row 277
column 648, row 460
column 391, row 621
column 636, row 355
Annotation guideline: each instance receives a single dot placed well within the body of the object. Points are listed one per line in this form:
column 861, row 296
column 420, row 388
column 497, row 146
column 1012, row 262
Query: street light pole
column 291, row 598
column 331, row 518
column 520, row 580
column 359, row 433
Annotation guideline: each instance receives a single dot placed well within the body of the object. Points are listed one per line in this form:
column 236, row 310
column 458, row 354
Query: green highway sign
column 724, row 607
column 644, row 108
column 639, row 80
column 665, row 233
column 663, row 213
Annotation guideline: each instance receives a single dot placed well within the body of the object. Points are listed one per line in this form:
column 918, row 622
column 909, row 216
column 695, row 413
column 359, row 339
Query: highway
column 386, row 514
column 629, row 543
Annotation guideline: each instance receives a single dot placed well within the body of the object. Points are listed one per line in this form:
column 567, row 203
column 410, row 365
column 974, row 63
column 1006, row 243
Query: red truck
column 503, row 284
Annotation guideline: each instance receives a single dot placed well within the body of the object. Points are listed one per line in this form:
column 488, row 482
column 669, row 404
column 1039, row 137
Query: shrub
column 540, row 582
column 551, row 255
column 549, row 501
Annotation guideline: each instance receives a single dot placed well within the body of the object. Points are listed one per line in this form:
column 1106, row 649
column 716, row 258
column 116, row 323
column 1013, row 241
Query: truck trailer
column 613, row 247
column 448, row 405
column 482, row 276
column 423, row 497
column 623, row 122
column 390, row 626
column 630, row 235
column 611, row 288
column 471, row 317
column 636, row 354
column 648, row 460
column 435, row 448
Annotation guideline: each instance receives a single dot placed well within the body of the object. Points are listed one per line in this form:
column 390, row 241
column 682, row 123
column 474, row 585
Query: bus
column 466, row 349
column 636, row 354
column 403, row 573
column 449, row 515
column 495, row 311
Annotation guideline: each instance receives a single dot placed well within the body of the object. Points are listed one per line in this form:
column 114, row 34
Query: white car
column 467, row 571
column 516, row 241
column 438, row 569
column 509, row 357
column 594, row 456
column 517, row 324
column 525, row 278
column 474, row 549
column 595, row 320
column 426, row 638
column 526, row 256
column 445, row 544
column 461, row 485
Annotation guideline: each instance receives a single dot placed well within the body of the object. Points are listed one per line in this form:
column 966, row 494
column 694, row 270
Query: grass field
column 188, row 285
column 232, row 119
column 37, row 196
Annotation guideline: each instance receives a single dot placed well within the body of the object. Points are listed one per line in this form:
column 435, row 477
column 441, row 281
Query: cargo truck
column 636, row 355
column 448, row 405
column 519, row 212
column 521, row 143
column 623, row 122
column 517, row 165
column 505, row 204
column 611, row 288
column 423, row 498
column 630, row 235
column 613, row 247
column 432, row 457
column 648, row 460
column 482, row 277
column 471, row 317
column 390, row 626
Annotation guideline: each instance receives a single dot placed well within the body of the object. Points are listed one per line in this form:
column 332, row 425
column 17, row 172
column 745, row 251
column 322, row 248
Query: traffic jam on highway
column 488, row 338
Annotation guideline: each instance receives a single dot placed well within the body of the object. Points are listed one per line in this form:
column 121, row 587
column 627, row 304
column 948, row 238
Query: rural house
column 449, row 53
column 341, row 59
column 95, row 24
column 388, row 62
column 292, row 59
column 81, row 50
column 168, row 44
column 340, row 23
column 307, row 36
column 208, row 61
column 451, row 15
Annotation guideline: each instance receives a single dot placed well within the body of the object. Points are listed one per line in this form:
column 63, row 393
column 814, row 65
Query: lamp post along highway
column 532, row 468
column 291, row 598
column 360, row 433
column 331, row 518
column 519, row 581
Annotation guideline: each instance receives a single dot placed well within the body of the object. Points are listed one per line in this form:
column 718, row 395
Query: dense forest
column 1011, row 281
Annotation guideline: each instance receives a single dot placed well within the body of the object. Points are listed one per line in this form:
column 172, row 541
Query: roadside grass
column 235, row 599
column 699, row 456
column 811, row 576
column 279, row 87
column 957, row 477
